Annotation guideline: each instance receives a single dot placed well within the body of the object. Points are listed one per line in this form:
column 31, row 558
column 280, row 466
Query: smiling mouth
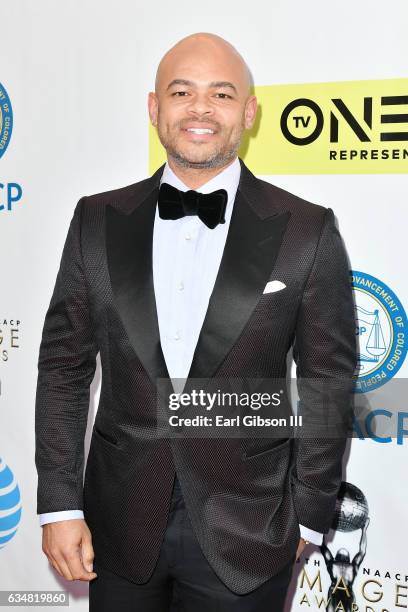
column 200, row 130
column 199, row 134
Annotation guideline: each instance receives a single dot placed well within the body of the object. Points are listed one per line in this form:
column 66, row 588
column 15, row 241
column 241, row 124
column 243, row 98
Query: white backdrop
column 77, row 74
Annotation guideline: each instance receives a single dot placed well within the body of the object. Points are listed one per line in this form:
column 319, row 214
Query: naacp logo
column 381, row 325
column 6, row 120
column 10, row 504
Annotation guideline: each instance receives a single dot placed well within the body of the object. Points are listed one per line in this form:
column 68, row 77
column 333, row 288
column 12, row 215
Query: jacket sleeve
column 66, row 366
column 325, row 353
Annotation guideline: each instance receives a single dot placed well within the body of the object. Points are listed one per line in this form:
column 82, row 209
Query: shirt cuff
column 315, row 537
column 61, row 515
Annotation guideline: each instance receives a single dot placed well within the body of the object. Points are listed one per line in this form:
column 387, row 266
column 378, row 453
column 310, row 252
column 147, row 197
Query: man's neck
column 194, row 178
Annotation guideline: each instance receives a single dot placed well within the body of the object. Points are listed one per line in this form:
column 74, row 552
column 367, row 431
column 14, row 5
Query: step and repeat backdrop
column 332, row 86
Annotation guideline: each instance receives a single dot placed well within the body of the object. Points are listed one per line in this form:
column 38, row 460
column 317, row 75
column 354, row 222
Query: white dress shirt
column 181, row 247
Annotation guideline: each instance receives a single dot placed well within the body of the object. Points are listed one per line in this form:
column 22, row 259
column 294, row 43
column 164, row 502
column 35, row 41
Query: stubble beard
column 218, row 158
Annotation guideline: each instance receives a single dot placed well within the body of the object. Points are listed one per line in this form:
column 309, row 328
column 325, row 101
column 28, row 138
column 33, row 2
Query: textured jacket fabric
column 245, row 498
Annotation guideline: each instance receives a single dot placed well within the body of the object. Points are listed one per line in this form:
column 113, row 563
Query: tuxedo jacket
column 246, row 499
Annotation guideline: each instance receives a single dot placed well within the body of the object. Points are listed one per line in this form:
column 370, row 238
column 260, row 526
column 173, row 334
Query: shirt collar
column 228, row 179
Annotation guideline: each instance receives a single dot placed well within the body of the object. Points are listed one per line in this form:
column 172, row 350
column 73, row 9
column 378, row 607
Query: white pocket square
column 274, row 285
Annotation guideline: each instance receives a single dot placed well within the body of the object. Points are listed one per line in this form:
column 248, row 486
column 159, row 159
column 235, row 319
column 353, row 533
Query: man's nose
column 201, row 105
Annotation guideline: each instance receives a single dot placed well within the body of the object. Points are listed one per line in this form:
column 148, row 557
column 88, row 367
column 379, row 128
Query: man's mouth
column 200, row 130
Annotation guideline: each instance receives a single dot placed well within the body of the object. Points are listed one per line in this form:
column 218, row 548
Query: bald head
column 204, row 50
column 201, row 105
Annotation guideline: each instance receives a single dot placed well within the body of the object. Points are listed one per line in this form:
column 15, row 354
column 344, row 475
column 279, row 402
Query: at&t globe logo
column 10, row 504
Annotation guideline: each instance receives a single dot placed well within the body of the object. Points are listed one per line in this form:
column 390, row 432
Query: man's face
column 201, row 108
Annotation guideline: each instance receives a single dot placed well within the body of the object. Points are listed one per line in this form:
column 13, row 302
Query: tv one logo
column 303, row 115
column 348, row 127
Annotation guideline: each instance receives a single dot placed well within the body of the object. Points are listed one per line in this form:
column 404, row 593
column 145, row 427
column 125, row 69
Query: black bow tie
column 210, row 207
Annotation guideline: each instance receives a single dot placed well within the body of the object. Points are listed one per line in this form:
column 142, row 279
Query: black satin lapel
column 129, row 243
column 248, row 259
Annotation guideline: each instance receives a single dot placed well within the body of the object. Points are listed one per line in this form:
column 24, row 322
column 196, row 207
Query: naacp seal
column 381, row 325
column 6, row 120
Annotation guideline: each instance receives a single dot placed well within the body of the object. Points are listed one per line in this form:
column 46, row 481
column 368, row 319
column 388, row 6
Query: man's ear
column 152, row 104
column 250, row 112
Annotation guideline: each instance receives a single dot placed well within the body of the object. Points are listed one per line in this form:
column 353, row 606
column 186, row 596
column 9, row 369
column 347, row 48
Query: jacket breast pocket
column 278, row 303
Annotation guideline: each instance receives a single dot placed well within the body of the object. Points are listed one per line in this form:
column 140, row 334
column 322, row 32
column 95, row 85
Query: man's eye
column 178, row 92
column 223, row 94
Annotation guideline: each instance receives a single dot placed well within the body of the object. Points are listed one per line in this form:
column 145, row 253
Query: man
column 168, row 284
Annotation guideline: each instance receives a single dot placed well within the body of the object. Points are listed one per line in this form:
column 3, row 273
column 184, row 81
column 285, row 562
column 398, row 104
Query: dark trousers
column 183, row 580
